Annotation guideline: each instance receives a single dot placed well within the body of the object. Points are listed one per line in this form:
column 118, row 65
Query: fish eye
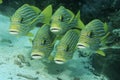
column 68, row 19
column 43, row 42
column 67, row 49
column 90, row 34
column 61, row 18
column 21, row 20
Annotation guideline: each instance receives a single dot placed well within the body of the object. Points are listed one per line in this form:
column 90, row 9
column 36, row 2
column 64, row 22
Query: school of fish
column 63, row 26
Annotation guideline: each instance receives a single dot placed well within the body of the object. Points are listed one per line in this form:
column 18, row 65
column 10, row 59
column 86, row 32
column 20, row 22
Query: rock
column 17, row 62
column 21, row 61
column 28, row 64
column 21, row 58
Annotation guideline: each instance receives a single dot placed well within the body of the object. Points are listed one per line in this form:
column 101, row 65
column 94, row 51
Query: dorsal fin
column 36, row 9
column 105, row 27
column 47, row 13
column 72, row 14
column 79, row 22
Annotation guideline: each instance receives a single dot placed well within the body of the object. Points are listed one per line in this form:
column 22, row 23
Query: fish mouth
column 79, row 46
column 13, row 31
column 36, row 56
column 59, row 62
column 54, row 29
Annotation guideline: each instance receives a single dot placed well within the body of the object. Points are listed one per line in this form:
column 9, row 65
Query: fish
column 42, row 44
column 27, row 17
column 92, row 37
column 63, row 20
column 66, row 46
column 22, row 21
column 60, row 20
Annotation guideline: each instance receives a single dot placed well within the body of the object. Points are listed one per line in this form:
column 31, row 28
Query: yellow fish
column 60, row 20
column 43, row 43
column 92, row 36
column 22, row 21
column 66, row 46
column 63, row 20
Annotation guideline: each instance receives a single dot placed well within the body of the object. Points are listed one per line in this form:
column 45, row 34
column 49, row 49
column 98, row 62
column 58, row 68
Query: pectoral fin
column 100, row 52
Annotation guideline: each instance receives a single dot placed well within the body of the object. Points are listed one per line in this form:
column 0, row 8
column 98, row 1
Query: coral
column 116, row 32
column 115, row 19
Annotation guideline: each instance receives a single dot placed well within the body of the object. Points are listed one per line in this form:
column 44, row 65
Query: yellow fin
column 105, row 27
column 104, row 37
column 80, row 23
column 30, row 34
column 77, row 15
column 72, row 14
column 1, row 1
column 47, row 13
column 36, row 9
column 100, row 52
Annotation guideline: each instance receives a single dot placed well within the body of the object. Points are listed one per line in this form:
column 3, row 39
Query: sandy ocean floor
column 16, row 63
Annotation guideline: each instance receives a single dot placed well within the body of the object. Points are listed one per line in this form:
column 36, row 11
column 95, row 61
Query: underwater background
column 15, row 59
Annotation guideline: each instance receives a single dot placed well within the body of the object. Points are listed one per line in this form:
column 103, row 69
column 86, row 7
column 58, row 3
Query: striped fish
column 42, row 43
column 92, row 35
column 60, row 20
column 66, row 46
column 22, row 21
